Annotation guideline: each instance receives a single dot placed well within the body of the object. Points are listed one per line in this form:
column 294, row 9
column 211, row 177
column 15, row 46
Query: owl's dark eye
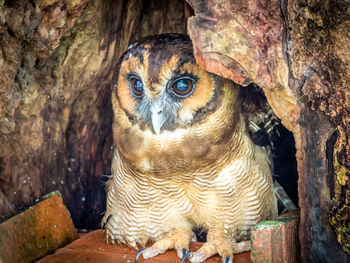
column 183, row 87
column 136, row 87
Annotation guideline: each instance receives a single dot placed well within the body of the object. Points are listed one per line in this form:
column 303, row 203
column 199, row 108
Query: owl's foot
column 218, row 244
column 209, row 249
column 179, row 239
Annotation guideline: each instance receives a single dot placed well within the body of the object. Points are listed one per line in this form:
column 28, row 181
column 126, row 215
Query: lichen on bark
column 339, row 215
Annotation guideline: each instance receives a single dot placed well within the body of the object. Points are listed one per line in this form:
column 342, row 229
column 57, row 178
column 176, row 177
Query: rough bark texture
column 57, row 60
column 243, row 41
column 319, row 52
column 298, row 52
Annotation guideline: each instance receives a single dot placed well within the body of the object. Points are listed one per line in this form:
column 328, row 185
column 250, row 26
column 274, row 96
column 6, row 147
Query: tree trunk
column 298, row 52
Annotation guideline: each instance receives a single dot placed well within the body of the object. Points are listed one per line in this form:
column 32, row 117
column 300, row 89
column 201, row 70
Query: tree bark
column 57, row 65
column 298, row 52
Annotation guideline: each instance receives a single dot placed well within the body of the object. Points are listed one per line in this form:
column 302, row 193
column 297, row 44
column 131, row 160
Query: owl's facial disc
column 160, row 86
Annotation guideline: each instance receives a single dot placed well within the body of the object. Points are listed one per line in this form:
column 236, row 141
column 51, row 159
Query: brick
column 276, row 241
column 93, row 247
column 37, row 231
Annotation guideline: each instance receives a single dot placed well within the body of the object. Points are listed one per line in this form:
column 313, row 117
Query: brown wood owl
column 184, row 157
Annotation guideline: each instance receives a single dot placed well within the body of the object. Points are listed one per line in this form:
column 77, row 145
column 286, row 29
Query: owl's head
column 160, row 86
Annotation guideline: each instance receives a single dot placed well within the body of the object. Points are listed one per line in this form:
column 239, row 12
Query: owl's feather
column 200, row 169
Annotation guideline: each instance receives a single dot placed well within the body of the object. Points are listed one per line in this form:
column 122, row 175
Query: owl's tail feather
column 285, row 204
column 261, row 120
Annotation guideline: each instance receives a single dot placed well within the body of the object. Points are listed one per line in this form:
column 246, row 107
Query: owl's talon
column 139, row 253
column 181, row 252
column 227, row 259
column 186, row 256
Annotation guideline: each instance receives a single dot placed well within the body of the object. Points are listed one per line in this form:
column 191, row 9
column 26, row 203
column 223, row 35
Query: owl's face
column 169, row 113
column 160, row 85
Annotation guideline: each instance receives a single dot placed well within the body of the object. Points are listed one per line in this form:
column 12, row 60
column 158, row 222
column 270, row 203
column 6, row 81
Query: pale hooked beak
column 158, row 118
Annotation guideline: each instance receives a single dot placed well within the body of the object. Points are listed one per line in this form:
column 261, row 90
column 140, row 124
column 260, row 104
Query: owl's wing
column 262, row 123
column 264, row 129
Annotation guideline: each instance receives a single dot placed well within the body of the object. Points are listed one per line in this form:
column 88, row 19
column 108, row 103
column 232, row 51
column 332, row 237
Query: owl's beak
column 158, row 118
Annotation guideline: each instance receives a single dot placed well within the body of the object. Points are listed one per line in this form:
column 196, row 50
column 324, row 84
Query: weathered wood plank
column 93, row 248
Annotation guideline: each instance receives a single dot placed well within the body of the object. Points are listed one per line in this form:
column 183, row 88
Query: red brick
column 94, row 248
column 276, row 241
column 37, row 231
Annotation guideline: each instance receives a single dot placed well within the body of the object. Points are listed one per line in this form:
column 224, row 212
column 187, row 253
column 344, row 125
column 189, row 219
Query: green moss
column 275, row 223
column 340, row 170
column 51, row 194
column 341, row 226
column 341, row 175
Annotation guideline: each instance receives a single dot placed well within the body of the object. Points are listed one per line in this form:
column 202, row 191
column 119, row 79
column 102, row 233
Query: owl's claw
column 181, row 252
column 186, row 255
column 228, row 259
column 139, row 253
column 152, row 252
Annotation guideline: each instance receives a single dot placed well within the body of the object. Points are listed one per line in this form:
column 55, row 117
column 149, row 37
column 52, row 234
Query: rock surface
column 36, row 232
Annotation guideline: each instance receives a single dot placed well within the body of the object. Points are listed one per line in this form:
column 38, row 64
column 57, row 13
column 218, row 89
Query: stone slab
column 36, row 232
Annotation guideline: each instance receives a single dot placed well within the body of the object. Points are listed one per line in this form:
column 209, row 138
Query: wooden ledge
column 93, row 247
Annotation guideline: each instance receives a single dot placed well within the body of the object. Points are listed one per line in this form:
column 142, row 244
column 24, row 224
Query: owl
column 184, row 155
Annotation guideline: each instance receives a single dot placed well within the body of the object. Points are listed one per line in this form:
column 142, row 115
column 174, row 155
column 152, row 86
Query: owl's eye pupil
column 136, row 87
column 183, row 87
